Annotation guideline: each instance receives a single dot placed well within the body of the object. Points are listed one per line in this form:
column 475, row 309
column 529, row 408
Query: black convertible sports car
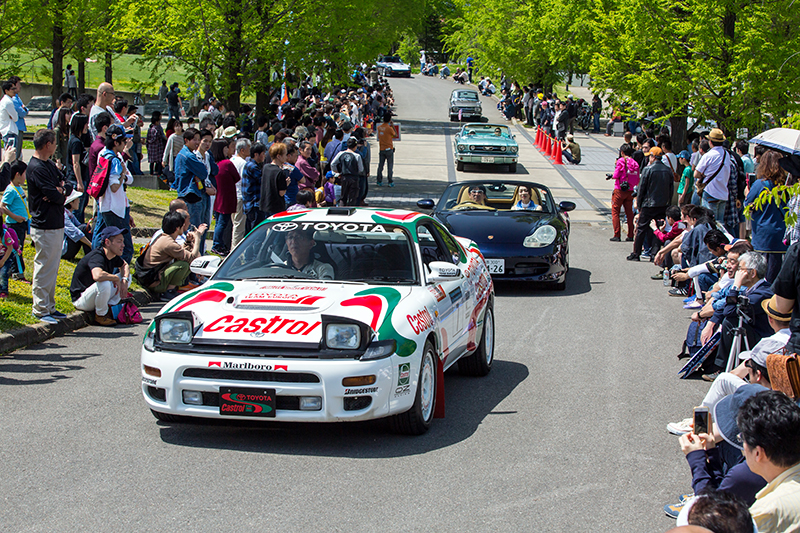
column 522, row 233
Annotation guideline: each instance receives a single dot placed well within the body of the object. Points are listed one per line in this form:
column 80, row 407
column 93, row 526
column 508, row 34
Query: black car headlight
column 177, row 328
column 543, row 236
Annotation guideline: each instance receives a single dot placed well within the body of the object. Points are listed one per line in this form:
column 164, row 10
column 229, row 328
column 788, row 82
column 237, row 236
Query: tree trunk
column 678, row 127
column 262, row 103
column 58, row 61
column 108, row 69
column 81, row 76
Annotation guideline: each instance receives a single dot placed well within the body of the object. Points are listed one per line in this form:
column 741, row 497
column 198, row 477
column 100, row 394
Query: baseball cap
column 685, row 154
column 72, row 197
column 115, row 131
column 656, row 151
column 110, row 232
column 329, row 174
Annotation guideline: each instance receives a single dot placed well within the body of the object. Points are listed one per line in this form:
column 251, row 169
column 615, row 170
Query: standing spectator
column 15, row 207
column 274, row 181
column 349, row 166
column 386, row 136
column 712, row 174
column 310, row 173
column 8, row 247
column 251, row 186
column 77, row 171
column 597, row 108
column 113, row 206
column 470, row 67
column 162, row 91
column 225, row 200
column 64, row 102
column 171, row 150
column 655, row 193
column 362, row 149
column 787, row 294
column 156, row 142
column 768, row 223
column 191, row 174
column 94, row 285
column 743, row 149
column 105, row 105
column 626, row 176
column 135, row 151
column 61, row 157
column 174, row 102
column 201, row 211
column 239, row 218
column 22, row 112
column 72, row 84
column 295, row 176
column 8, row 116
column 572, row 113
column 769, row 424
column 47, row 191
column 686, row 185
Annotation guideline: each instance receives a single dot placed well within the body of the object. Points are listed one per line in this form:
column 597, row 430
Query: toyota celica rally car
column 325, row 315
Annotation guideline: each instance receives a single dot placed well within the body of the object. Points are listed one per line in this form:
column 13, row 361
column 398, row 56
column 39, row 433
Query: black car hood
column 504, row 227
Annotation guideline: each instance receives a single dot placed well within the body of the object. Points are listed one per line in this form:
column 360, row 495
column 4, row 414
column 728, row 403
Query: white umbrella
column 784, row 140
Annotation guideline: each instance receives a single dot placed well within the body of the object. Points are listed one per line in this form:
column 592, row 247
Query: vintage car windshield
column 484, row 130
column 351, row 251
column 498, row 197
column 466, row 95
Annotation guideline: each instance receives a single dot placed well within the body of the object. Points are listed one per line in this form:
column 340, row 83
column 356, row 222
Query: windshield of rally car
column 364, row 252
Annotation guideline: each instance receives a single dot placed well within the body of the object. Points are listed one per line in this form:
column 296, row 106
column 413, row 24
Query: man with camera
column 655, row 193
column 744, row 299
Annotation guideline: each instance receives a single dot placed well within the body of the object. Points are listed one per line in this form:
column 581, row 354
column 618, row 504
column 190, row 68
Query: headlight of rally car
column 177, row 328
column 343, row 336
column 543, row 236
column 150, row 340
column 379, row 350
column 461, row 147
column 513, row 149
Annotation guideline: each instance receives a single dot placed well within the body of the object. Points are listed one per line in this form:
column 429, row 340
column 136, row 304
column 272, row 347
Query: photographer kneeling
column 748, row 290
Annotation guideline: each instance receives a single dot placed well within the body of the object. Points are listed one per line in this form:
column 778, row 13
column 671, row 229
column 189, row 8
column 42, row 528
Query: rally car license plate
column 496, row 266
column 237, row 401
column 487, row 159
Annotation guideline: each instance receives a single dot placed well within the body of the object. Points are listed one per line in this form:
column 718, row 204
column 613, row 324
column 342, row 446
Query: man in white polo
column 712, row 173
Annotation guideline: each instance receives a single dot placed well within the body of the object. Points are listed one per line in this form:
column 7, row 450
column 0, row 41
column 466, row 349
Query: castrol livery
column 325, row 315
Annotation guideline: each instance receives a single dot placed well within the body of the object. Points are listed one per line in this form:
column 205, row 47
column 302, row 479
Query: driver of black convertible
column 299, row 243
column 477, row 199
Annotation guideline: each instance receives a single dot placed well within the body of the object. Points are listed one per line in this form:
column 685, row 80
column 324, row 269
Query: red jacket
column 225, row 200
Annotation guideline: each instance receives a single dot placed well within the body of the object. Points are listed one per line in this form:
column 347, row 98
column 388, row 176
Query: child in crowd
column 8, row 246
column 303, row 200
column 76, row 235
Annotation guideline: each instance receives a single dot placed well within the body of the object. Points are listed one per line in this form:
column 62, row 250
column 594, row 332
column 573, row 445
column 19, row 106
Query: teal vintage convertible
column 491, row 144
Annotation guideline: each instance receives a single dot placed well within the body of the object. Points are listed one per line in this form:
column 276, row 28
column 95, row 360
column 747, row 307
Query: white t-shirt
column 239, row 163
column 671, row 160
column 709, row 163
column 115, row 202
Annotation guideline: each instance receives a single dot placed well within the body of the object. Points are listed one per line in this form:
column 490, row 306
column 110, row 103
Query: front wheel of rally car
column 417, row 420
column 480, row 362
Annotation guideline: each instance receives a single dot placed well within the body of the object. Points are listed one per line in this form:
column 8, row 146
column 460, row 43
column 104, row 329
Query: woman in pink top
column 626, row 177
column 310, row 174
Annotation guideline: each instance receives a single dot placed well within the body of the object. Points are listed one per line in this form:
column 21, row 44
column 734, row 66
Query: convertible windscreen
column 358, row 252
column 497, row 197
column 485, row 129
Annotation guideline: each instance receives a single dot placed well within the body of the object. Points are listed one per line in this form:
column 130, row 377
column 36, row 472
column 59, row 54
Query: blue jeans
column 222, row 241
column 385, row 156
column 108, row 219
column 716, row 206
column 199, row 214
column 9, row 268
column 596, row 123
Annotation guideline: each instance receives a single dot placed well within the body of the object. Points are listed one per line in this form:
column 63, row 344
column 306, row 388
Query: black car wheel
column 460, row 166
column 512, row 168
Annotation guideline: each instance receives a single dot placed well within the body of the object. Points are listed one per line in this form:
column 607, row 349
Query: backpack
column 99, row 182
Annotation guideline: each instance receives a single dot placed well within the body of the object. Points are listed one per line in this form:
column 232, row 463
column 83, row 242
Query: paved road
column 566, row 434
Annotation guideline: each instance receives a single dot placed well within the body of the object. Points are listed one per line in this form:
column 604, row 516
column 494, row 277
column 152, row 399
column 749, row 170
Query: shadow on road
column 424, row 127
column 478, row 168
column 40, row 359
column 578, row 282
column 468, row 402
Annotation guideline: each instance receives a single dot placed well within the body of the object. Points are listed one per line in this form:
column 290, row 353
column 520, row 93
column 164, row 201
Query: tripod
column 739, row 335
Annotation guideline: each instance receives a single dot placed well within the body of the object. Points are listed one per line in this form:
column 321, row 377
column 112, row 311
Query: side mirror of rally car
column 442, row 271
column 205, row 265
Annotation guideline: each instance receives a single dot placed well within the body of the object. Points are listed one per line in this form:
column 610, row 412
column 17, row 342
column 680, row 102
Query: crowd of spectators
column 306, row 150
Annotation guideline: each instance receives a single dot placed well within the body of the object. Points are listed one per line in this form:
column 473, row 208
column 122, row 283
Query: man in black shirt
column 174, row 102
column 94, row 285
column 349, row 165
column 787, row 294
column 47, row 190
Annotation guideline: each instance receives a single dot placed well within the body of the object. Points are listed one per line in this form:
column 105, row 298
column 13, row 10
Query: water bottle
column 667, row 282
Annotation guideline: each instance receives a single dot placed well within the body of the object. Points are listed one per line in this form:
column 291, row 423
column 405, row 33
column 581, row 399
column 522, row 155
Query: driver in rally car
column 300, row 242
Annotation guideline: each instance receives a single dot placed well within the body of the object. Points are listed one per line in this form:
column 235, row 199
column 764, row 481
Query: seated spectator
column 693, row 248
column 670, row 254
column 95, row 286
column 708, row 455
column 164, row 266
column 769, row 424
column 704, row 275
column 714, row 299
column 77, row 236
column 571, row 150
column 671, row 227
column 749, row 281
column 720, row 511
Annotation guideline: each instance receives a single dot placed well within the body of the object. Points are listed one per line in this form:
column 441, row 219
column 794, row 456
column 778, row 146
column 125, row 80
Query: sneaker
column 391, row 185
column 681, row 428
column 379, row 183
column 658, row 275
column 47, row 318
column 677, row 291
column 186, row 288
column 674, row 510
column 691, row 298
column 645, row 257
column 58, row 314
column 633, row 257
column 105, row 320
column 629, row 239
column 683, row 498
column 217, row 252
column 614, row 239
column 169, row 295
column 712, row 376
column 693, row 305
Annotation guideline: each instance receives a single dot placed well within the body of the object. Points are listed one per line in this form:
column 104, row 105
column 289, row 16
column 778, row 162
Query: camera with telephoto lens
column 738, row 300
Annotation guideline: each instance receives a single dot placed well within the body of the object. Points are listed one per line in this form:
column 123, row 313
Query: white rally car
column 325, row 315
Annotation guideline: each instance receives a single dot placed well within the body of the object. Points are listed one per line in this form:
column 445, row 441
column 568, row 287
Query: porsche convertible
column 518, row 227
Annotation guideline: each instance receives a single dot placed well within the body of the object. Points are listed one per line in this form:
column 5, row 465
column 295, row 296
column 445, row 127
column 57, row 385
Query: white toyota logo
column 285, row 226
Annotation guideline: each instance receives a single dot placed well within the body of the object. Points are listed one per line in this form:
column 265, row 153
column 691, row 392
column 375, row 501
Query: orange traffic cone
column 547, row 147
column 537, row 143
column 557, row 154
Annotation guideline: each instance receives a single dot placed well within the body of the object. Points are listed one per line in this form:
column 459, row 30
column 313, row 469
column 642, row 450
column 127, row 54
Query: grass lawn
column 127, row 75
column 148, row 206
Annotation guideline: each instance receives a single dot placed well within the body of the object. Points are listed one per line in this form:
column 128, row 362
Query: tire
column 418, row 419
column 165, row 417
column 480, row 362
column 460, row 166
column 512, row 168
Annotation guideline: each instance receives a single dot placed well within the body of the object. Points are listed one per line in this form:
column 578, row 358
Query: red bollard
column 557, row 154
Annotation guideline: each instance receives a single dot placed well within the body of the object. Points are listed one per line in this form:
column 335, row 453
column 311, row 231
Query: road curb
column 40, row 332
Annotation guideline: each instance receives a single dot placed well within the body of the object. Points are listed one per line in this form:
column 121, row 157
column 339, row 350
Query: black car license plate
column 236, row 401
